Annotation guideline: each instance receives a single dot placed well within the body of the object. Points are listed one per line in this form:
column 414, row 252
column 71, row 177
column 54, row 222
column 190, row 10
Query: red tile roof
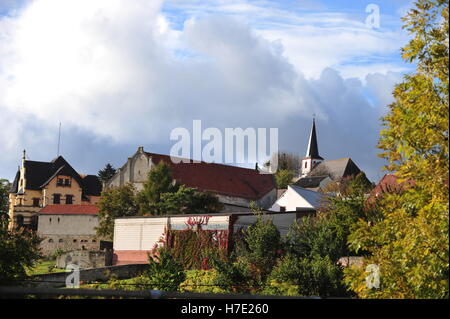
column 388, row 184
column 70, row 209
column 219, row 178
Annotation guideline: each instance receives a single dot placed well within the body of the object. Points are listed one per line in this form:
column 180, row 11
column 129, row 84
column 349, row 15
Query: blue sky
column 121, row 74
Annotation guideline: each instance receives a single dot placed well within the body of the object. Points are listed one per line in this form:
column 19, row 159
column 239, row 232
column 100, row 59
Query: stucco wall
column 61, row 224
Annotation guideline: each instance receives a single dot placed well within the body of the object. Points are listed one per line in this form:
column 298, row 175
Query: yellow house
column 38, row 184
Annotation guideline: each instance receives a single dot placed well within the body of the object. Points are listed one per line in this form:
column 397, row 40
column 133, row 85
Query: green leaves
column 410, row 241
column 283, row 178
column 115, row 202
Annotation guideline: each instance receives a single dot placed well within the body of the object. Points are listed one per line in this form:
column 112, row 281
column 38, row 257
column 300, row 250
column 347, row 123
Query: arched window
column 50, row 240
column 74, row 240
column 61, row 240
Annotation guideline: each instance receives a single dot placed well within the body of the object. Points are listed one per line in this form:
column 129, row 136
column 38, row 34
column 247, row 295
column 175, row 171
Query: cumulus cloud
column 117, row 75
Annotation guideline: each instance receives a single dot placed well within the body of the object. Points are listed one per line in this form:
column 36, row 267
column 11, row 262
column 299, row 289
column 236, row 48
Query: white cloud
column 111, row 70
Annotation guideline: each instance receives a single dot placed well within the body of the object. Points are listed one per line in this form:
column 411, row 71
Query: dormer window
column 60, row 182
column 67, row 182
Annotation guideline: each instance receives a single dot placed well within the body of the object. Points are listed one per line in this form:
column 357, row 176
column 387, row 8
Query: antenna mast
column 59, row 138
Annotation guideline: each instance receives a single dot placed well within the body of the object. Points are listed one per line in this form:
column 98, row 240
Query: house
column 135, row 237
column 68, row 227
column 316, row 173
column 38, row 184
column 388, row 184
column 298, row 199
column 236, row 187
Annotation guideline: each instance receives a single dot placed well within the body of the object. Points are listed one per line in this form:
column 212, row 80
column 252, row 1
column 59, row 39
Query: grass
column 44, row 267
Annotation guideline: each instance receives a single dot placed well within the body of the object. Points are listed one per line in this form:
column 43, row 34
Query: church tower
column 312, row 157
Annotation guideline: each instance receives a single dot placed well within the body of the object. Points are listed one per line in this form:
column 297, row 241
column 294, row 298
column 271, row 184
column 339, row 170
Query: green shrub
column 316, row 276
column 201, row 281
column 164, row 273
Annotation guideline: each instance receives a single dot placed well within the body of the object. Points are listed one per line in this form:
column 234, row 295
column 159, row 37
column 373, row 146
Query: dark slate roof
column 310, row 182
column 39, row 174
column 313, row 149
column 336, row 169
column 15, row 185
column 92, row 185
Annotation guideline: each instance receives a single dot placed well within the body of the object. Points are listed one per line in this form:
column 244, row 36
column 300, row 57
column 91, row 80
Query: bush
column 256, row 251
column 201, row 281
column 316, row 276
column 164, row 272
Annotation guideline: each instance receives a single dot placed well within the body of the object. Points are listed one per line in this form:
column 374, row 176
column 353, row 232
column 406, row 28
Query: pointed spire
column 313, row 149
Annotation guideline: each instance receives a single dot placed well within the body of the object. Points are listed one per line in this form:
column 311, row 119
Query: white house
column 298, row 199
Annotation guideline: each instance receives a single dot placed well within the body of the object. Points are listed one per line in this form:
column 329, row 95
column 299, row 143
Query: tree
column 187, row 200
column 4, row 202
column 283, row 178
column 409, row 239
column 161, row 195
column 159, row 181
column 19, row 248
column 107, row 173
column 286, row 161
column 254, row 256
column 115, row 202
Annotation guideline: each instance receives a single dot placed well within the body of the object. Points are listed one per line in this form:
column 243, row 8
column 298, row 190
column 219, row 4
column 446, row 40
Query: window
column 61, row 240
column 35, row 202
column 59, row 182
column 74, row 240
column 50, row 220
column 282, row 208
column 50, row 240
column 56, row 198
column 58, row 219
column 69, row 199
column 67, row 182
column 306, row 164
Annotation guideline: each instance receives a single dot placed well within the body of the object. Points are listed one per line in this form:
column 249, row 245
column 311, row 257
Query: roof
column 313, row 149
column 312, row 197
column 219, row 178
column 39, row 174
column 336, row 169
column 310, row 181
column 388, row 184
column 69, row 210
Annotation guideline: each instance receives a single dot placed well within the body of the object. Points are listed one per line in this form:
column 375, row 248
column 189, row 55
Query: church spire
column 313, row 149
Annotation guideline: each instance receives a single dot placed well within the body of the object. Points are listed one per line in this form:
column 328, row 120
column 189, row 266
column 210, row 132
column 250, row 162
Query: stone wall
column 85, row 259
column 51, row 243
column 88, row 275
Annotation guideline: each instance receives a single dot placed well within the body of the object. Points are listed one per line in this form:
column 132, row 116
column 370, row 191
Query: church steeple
column 313, row 149
column 312, row 157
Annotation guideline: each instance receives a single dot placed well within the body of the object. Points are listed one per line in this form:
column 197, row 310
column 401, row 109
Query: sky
column 118, row 74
